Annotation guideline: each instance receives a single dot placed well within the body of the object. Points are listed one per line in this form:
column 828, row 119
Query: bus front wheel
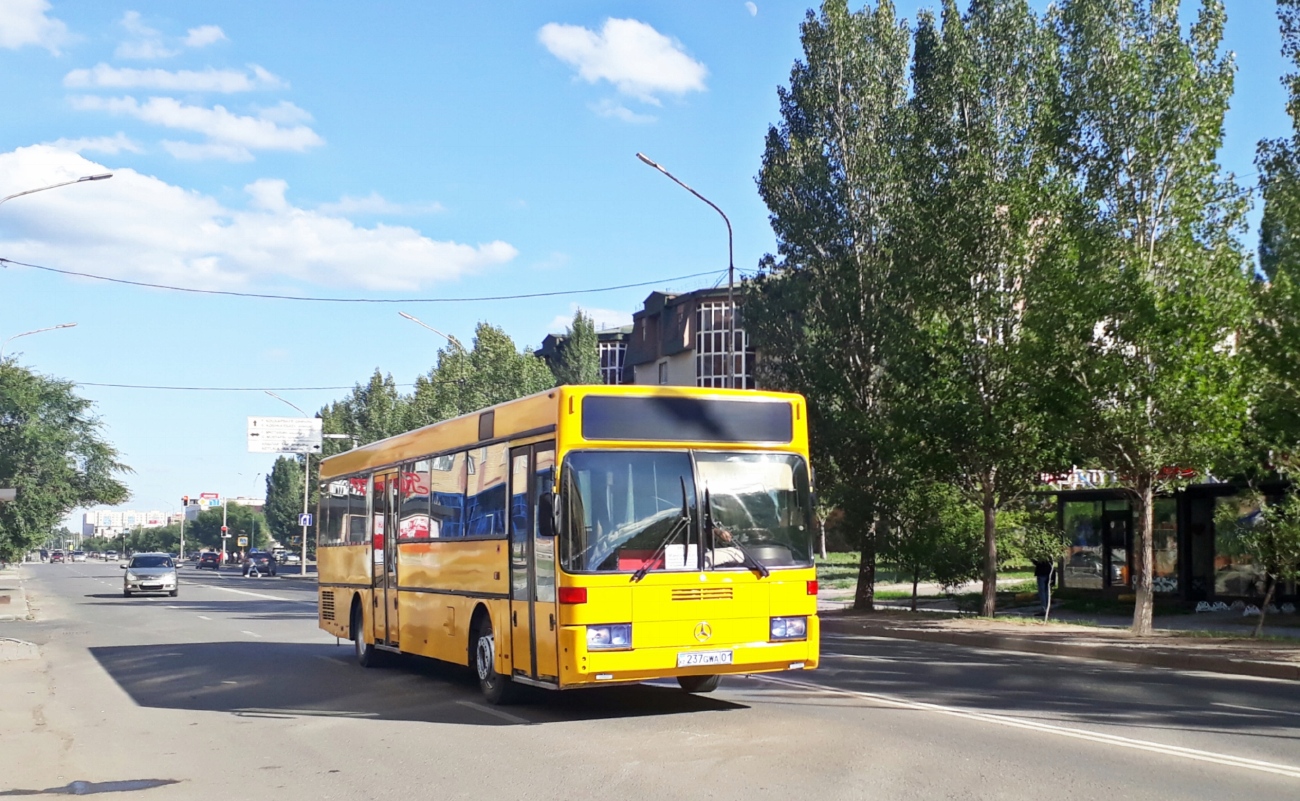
column 699, row 684
column 497, row 689
column 367, row 654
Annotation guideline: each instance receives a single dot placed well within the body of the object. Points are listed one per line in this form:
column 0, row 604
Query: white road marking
column 204, row 617
column 1194, row 754
column 1258, row 709
column 496, row 713
column 863, row 657
column 260, row 595
column 251, row 633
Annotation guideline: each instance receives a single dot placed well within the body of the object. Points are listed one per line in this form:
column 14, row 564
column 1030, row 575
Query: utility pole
column 306, row 491
column 224, row 534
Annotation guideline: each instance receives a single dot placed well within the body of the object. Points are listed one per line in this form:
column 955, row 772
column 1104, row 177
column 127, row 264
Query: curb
column 1107, row 653
column 12, row 650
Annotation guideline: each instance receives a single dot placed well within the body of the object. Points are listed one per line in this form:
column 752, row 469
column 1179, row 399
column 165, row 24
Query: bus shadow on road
column 287, row 680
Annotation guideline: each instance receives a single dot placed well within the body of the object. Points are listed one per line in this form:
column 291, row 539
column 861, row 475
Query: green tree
column 826, row 310
column 492, row 372
column 935, row 536
column 1271, row 538
column 988, row 221
column 578, row 360
column 243, row 521
column 284, row 489
column 1158, row 375
column 52, row 453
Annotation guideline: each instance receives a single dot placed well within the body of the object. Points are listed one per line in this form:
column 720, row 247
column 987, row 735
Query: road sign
column 284, row 434
column 242, row 542
column 304, row 519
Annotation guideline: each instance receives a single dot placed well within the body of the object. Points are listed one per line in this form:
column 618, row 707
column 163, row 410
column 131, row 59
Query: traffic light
column 185, row 501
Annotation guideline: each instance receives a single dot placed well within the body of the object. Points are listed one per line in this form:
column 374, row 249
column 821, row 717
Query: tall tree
column 826, row 308
column 578, row 360
column 1274, row 340
column 52, row 452
column 1159, row 373
column 988, row 221
column 284, row 491
column 493, row 371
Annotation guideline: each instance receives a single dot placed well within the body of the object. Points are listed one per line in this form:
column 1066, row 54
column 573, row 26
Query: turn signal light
column 573, row 595
column 812, row 587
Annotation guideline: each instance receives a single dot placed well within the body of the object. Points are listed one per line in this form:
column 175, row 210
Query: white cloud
column 147, row 43
column 141, row 228
column 111, row 145
column 638, row 60
column 204, row 35
column 612, row 108
column 752, row 9
column 374, row 203
column 229, row 136
column 24, row 22
column 103, row 76
column 603, row 318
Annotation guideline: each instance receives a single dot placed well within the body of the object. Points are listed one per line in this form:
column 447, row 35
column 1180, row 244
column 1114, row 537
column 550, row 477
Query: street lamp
column 455, row 342
column 306, row 482
column 29, row 333
column 100, row 177
column 731, row 270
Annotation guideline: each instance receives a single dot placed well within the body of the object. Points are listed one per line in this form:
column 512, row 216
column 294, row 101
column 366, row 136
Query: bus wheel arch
column 496, row 688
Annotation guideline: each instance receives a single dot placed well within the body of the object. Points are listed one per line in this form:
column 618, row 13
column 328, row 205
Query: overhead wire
column 267, row 296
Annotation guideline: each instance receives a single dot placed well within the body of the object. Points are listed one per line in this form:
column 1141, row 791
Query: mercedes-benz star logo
column 703, row 632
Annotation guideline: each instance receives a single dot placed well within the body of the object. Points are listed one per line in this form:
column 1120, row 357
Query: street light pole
column 731, row 270
column 29, row 333
column 100, row 177
column 455, row 342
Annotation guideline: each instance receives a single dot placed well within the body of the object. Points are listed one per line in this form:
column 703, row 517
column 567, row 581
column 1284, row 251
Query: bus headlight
column 618, row 635
column 789, row 628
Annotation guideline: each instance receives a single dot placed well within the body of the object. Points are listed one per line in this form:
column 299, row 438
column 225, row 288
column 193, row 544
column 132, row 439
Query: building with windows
column 681, row 339
column 112, row 523
column 611, row 343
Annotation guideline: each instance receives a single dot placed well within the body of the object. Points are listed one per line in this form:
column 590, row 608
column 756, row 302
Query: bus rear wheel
column 367, row 654
column 699, row 684
column 497, row 689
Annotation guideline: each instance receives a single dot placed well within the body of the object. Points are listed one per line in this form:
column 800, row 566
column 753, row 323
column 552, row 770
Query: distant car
column 110, row 555
column 149, row 572
column 57, row 556
column 78, row 556
column 262, row 561
column 209, row 559
column 292, row 559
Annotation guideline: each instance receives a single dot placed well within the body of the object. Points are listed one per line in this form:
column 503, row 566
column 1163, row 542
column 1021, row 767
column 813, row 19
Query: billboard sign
column 284, row 435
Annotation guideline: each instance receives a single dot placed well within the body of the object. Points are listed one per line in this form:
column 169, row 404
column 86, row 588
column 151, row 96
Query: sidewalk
column 1172, row 646
column 13, row 596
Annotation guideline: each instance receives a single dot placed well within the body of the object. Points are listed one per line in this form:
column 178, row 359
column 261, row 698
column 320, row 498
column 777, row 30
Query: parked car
column 149, row 572
column 292, row 559
column 262, row 561
column 209, row 559
column 56, row 556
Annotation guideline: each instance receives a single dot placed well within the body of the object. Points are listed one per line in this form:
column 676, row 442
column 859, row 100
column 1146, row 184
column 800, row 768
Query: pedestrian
column 1043, row 572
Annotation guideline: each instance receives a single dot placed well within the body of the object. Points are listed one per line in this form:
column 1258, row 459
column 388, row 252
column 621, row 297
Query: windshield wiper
column 680, row 524
column 710, row 525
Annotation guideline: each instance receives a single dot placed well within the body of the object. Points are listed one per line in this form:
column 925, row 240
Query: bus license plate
column 697, row 658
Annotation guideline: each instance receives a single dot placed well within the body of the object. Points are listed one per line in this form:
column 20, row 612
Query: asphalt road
column 230, row 692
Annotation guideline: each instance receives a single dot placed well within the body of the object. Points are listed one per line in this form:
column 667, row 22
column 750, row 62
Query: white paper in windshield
column 747, row 476
column 679, row 556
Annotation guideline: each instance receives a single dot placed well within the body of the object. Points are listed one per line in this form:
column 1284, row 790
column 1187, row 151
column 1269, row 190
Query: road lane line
column 204, row 617
column 259, row 595
column 251, row 633
column 1258, row 709
column 496, row 713
column 1290, row 771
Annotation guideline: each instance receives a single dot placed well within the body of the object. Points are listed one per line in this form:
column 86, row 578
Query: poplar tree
column 826, row 307
column 578, row 360
column 1161, row 289
column 988, row 223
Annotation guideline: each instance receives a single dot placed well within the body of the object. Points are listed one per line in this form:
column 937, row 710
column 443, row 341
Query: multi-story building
column 682, row 340
column 611, row 343
column 112, row 523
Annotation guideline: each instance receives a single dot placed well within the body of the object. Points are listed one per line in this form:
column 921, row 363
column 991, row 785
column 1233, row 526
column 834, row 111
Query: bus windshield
column 623, row 511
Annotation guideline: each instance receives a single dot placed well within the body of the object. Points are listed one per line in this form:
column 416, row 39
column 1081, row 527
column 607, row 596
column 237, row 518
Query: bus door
column 533, row 611
column 385, row 557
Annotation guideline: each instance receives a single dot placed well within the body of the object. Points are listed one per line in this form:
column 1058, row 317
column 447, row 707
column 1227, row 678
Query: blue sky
column 380, row 150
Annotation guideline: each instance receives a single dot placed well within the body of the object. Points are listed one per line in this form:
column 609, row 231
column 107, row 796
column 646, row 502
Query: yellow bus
column 582, row 536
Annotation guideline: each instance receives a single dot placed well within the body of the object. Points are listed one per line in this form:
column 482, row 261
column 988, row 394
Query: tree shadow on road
column 277, row 680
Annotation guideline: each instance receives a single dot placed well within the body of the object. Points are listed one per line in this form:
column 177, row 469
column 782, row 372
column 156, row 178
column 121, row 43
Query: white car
column 149, row 572
column 78, row 556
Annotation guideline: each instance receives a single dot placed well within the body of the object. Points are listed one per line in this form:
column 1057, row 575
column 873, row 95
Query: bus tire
column 367, row 654
column 497, row 689
column 699, row 684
